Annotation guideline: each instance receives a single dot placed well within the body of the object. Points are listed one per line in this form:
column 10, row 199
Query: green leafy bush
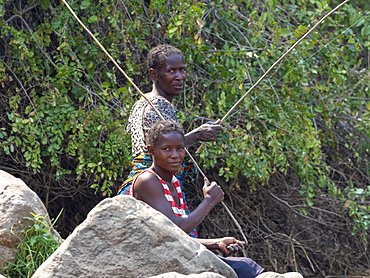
column 37, row 243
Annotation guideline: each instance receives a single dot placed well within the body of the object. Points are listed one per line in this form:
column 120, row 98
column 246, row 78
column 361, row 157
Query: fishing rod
column 151, row 104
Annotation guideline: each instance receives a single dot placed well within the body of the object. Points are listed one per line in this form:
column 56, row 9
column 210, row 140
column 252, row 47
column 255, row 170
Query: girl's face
column 169, row 152
column 169, row 77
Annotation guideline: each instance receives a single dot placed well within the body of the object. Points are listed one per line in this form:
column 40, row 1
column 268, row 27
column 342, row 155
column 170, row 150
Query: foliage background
column 293, row 158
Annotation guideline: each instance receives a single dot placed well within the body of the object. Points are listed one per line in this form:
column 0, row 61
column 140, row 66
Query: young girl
column 158, row 187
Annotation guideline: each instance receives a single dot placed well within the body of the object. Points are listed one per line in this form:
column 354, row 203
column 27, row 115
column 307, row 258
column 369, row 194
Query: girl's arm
column 149, row 189
column 227, row 245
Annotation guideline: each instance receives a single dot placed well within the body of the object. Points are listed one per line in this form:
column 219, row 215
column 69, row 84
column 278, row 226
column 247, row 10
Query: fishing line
column 302, row 62
column 324, row 46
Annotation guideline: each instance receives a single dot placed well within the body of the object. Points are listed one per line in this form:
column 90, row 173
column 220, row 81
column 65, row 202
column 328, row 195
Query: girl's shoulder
column 147, row 184
column 147, row 177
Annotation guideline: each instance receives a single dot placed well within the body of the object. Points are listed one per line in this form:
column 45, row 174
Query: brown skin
column 168, row 82
column 168, row 154
column 169, row 77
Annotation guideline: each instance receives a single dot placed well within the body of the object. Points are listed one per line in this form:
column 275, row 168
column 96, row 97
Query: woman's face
column 169, row 152
column 170, row 75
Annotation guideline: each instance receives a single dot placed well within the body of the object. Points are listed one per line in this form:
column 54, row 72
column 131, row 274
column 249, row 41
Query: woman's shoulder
column 156, row 98
column 140, row 105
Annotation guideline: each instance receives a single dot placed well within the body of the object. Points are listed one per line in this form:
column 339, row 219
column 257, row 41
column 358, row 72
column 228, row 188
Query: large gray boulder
column 16, row 202
column 123, row 237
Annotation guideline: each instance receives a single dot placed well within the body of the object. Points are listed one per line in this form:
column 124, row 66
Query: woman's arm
column 206, row 132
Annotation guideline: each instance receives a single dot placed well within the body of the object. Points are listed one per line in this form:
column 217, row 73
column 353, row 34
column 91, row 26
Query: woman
column 167, row 71
column 159, row 188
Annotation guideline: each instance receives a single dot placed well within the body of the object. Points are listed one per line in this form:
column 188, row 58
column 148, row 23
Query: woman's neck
column 158, row 92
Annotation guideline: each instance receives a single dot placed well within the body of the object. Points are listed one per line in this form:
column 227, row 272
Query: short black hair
column 158, row 54
column 160, row 128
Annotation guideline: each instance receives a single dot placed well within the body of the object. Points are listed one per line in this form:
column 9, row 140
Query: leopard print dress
column 143, row 116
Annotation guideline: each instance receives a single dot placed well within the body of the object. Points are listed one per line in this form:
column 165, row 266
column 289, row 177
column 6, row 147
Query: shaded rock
column 123, row 237
column 16, row 202
column 270, row 275
column 277, row 275
column 177, row 275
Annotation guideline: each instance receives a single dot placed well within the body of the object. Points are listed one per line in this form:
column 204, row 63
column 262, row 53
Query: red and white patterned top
column 177, row 210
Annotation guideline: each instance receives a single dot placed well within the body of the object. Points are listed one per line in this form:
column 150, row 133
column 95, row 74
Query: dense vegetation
column 37, row 243
column 293, row 158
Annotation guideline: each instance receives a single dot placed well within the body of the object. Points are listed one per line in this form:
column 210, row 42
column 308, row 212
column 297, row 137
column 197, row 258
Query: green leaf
column 272, row 4
column 92, row 19
column 365, row 31
column 196, row 9
column 318, row 109
column 172, row 30
column 285, row 32
column 85, row 4
column 45, row 4
column 309, row 202
column 302, row 28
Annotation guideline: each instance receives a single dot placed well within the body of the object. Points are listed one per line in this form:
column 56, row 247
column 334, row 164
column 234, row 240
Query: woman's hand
column 205, row 132
column 209, row 131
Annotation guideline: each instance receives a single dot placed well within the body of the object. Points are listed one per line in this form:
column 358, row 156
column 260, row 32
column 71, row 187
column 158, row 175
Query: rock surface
column 123, row 237
column 16, row 202
column 177, row 275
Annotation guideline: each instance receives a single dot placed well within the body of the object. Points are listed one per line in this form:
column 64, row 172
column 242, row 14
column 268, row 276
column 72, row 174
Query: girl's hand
column 230, row 245
column 213, row 192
